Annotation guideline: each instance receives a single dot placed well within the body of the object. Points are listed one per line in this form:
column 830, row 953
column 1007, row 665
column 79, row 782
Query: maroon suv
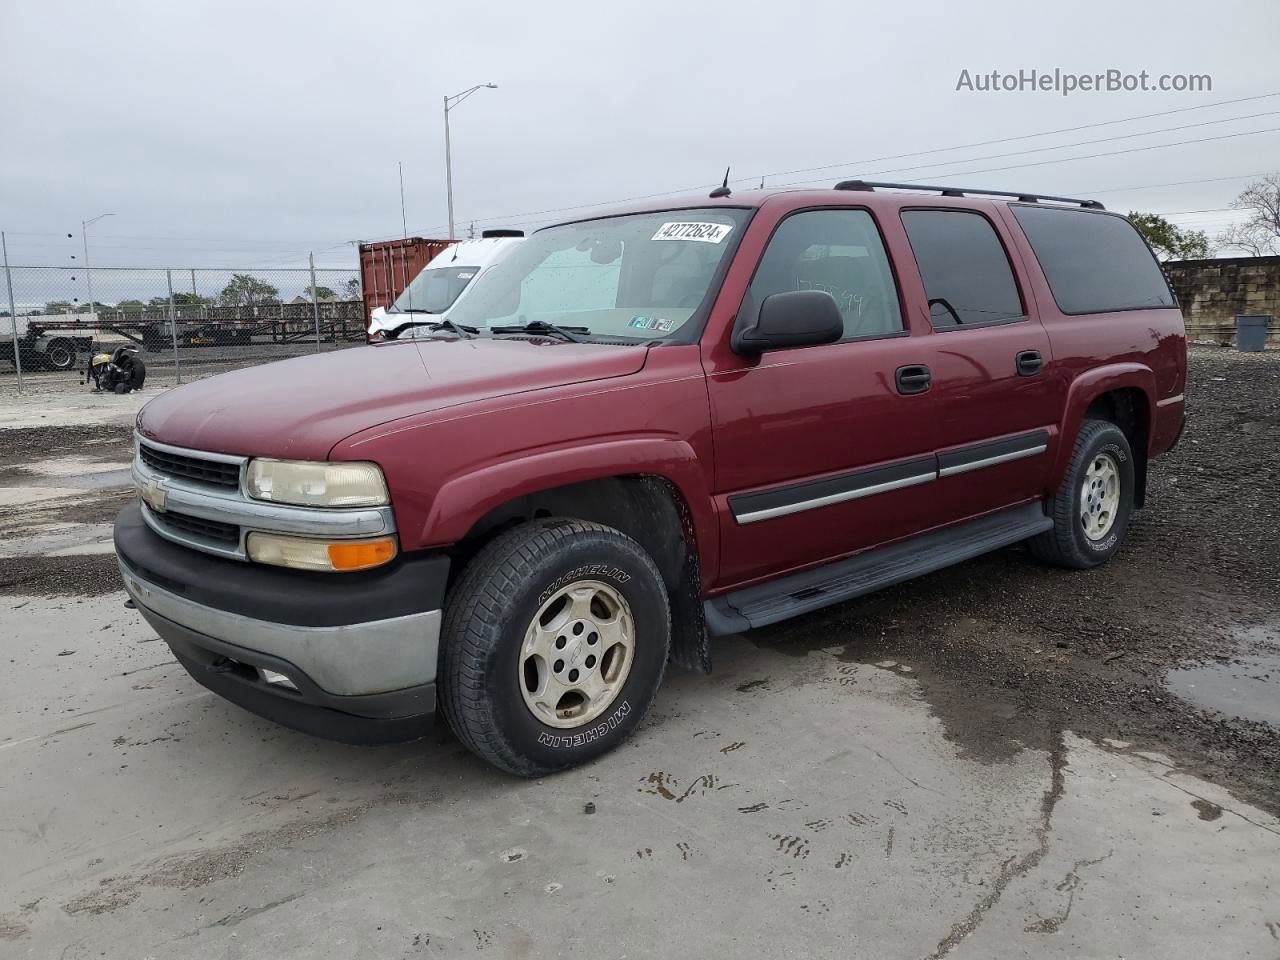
column 641, row 430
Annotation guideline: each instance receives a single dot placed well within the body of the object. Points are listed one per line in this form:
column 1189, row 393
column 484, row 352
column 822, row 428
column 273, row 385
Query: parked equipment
column 120, row 371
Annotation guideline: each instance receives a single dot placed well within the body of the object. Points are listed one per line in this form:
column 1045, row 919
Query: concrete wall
column 1212, row 292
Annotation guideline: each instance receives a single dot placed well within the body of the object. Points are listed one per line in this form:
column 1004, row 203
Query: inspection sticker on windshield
column 650, row 323
column 701, row 232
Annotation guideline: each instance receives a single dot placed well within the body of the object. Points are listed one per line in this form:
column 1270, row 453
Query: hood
column 298, row 409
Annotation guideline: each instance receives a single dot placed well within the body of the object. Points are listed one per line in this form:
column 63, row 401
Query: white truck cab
column 443, row 282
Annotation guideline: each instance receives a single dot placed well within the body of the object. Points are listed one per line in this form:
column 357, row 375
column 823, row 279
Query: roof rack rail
column 870, row 185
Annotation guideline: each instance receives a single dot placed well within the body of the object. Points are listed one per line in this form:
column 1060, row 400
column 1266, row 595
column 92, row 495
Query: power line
column 1078, row 143
column 285, row 255
column 1175, row 183
column 781, row 173
column 1089, row 156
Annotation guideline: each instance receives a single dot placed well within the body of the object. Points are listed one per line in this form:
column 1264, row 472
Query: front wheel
column 554, row 644
column 1092, row 507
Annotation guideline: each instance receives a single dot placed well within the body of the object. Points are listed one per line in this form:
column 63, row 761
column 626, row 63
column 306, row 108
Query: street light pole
column 448, row 166
column 84, row 236
column 449, row 104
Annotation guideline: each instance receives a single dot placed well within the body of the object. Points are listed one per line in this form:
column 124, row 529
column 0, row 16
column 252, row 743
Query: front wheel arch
column 651, row 510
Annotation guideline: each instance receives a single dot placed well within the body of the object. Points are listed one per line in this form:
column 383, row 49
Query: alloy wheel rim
column 576, row 654
column 1100, row 496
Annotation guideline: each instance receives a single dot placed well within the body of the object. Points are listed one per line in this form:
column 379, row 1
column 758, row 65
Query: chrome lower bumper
column 348, row 660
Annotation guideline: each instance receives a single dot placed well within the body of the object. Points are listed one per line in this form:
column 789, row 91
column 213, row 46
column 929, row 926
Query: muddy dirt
column 1010, row 652
column 94, row 442
column 88, row 576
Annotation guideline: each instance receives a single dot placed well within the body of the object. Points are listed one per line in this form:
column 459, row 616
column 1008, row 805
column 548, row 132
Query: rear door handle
column 913, row 378
column 1029, row 363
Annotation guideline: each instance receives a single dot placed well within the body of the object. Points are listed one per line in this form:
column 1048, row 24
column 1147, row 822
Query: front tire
column 1092, row 507
column 554, row 644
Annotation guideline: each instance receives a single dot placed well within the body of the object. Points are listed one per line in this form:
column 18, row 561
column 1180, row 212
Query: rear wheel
column 60, row 354
column 1092, row 507
column 554, row 644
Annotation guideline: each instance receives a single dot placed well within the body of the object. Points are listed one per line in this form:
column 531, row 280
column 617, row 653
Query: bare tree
column 1259, row 235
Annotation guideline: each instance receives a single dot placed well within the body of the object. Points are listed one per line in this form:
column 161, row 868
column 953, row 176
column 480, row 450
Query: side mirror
column 797, row 318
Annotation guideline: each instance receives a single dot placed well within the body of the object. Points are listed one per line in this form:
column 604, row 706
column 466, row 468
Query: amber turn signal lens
column 360, row 556
column 303, row 554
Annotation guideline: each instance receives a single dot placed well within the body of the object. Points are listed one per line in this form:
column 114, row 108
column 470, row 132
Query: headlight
column 309, row 484
column 329, row 555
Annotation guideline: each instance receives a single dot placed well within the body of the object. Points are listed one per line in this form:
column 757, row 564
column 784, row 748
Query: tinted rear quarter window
column 1094, row 262
column 964, row 267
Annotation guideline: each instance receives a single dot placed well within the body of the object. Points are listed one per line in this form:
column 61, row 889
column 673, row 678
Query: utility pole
column 84, row 236
column 404, row 221
column 13, row 310
column 449, row 104
column 315, row 300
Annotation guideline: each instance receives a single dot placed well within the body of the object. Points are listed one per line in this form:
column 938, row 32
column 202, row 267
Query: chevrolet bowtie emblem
column 154, row 494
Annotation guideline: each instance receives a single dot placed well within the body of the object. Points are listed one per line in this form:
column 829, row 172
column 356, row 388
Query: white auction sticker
column 701, row 232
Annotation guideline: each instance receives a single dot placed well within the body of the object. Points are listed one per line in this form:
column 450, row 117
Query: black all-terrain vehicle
column 120, row 371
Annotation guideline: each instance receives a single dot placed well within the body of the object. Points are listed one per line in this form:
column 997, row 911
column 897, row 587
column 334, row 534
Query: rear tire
column 60, row 354
column 504, row 605
column 1092, row 507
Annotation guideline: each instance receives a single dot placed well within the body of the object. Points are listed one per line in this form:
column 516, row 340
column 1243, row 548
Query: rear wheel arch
column 1123, row 394
column 1130, row 410
column 649, row 508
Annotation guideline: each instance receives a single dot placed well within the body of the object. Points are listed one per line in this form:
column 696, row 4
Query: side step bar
column 871, row 570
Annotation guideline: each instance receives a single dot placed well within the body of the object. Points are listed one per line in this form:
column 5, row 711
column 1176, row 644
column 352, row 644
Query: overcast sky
column 246, row 134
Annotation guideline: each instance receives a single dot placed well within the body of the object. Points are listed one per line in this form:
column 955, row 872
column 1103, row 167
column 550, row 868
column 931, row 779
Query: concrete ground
column 807, row 805
column 812, row 799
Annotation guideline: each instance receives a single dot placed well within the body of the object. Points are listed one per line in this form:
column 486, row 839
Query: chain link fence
column 184, row 323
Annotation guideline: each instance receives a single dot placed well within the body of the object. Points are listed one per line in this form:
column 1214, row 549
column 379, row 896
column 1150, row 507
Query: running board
column 871, row 570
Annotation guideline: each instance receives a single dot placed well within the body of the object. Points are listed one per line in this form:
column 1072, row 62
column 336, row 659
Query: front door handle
column 913, row 378
column 1029, row 363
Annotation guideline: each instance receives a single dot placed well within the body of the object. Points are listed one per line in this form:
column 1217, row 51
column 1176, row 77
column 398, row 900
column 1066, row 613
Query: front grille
column 191, row 468
column 227, row 533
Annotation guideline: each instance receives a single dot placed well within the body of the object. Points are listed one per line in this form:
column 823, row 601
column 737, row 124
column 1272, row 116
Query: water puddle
column 1246, row 686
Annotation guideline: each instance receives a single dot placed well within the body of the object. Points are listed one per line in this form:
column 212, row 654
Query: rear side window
column 1094, row 262
column 965, row 270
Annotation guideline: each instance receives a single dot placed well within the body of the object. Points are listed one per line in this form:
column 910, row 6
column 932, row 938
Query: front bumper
column 359, row 651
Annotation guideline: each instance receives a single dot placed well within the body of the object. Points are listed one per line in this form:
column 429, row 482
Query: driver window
column 838, row 251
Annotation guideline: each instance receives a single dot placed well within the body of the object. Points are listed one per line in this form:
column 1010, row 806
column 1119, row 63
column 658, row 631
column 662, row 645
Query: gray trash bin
column 1251, row 333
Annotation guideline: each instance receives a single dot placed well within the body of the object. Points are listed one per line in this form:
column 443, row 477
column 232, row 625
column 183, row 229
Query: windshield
column 639, row 276
column 434, row 290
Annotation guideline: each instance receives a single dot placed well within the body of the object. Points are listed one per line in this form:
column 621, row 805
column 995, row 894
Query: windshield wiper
column 465, row 332
column 541, row 326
